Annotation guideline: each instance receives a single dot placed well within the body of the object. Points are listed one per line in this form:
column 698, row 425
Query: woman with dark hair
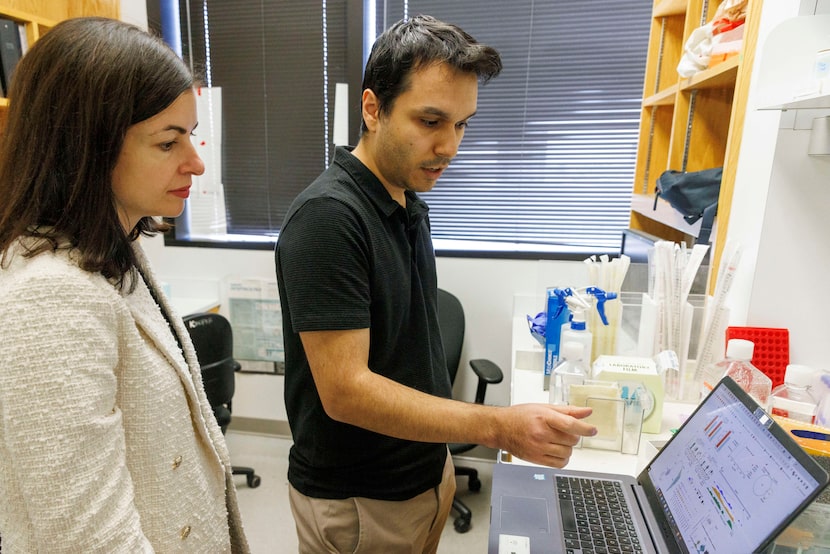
column 107, row 441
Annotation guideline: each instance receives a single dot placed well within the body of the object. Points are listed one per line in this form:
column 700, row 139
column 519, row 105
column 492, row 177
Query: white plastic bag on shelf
column 696, row 52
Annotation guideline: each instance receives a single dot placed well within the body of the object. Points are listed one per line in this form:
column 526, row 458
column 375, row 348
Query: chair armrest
column 488, row 373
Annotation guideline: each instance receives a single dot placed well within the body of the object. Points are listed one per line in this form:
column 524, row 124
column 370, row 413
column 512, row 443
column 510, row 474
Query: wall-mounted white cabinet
column 787, row 77
column 781, row 196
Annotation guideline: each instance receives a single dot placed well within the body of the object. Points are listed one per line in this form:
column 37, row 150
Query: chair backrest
column 451, row 324
column 213, row 340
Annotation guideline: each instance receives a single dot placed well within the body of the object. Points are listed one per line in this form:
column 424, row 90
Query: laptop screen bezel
column 780, row 434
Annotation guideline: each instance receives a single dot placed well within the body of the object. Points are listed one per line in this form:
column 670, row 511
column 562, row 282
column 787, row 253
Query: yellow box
column 638, row 375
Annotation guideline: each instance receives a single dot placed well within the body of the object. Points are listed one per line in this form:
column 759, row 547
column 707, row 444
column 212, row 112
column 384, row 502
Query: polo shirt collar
column 374, row 189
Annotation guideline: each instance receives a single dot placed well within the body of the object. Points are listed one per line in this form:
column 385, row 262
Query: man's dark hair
column 411, row 44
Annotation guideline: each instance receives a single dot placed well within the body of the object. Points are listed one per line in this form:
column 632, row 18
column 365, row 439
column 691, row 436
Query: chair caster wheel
column 475, row 484
column 254, row 481
column 462, row 525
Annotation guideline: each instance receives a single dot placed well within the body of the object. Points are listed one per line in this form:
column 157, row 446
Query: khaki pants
column 366, row 526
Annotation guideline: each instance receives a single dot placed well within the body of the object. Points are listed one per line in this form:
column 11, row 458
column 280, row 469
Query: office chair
column 451, row 323
column 212, row 338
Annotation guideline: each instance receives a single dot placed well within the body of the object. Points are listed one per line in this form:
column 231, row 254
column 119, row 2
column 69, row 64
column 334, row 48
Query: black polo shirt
column 350, row 257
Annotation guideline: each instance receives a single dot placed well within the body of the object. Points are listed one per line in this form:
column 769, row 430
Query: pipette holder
column 641, row 335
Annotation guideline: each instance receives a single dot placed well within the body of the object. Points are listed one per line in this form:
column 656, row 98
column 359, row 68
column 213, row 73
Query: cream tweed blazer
column 107, row 441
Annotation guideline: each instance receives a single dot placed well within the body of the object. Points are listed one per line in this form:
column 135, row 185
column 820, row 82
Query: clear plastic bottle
column 571, row 370
column 715, row 371
column 577, row 330
column 738, row 366
column 794, row 399
column 823, row 410
column 820, row 384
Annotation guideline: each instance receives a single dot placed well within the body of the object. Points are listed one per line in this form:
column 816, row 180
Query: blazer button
column 185, row 532
column 177, row 462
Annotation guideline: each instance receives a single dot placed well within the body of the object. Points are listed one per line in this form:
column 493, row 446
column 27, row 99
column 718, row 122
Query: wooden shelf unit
column 669, row 7
column 38, row 16
column 54, row 10
column 690, row 123
column 34, row 25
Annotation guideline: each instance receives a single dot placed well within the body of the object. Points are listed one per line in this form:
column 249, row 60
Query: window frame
column 357, row 27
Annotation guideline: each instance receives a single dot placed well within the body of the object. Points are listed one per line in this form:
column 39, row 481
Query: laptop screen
column 731, row 478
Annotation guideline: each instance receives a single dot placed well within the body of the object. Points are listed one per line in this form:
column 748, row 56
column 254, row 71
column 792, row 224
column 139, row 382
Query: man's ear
column 370, row 108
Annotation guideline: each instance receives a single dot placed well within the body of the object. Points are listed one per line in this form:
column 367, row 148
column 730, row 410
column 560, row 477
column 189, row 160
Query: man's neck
column 363, row 153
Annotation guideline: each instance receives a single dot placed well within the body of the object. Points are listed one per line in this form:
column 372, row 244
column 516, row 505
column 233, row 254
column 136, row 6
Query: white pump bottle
column 577, row 329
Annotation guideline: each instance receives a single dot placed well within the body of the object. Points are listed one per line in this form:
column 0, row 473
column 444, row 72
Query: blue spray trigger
column 561, row 303
column 601, row 297
column 596, row 292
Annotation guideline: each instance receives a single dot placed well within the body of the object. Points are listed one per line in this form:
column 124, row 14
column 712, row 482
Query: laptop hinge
column 657, row 542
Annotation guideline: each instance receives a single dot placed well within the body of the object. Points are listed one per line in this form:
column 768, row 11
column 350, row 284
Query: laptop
column 729, row 481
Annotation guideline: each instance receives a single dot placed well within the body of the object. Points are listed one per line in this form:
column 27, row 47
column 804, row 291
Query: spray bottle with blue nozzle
column 577, row 328
column 561, row 303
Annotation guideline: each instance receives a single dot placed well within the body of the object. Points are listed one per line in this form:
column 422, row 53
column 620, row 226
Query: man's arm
column 351, row 393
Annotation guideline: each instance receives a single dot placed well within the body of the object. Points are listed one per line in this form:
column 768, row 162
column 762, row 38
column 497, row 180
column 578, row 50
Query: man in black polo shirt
column 366, row 388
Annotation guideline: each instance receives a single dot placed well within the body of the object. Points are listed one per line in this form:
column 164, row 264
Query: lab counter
column 808, row 534
column 526, row 386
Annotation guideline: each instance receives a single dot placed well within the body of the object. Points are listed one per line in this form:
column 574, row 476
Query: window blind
column 549, row 159
column 545, row 166
column 277, row 64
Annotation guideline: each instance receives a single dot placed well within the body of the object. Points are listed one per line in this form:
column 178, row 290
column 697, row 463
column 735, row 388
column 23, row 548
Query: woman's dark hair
column 411, row 44
column 73, row 97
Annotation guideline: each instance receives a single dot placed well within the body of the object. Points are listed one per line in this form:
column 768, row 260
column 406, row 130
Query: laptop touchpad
column 524, row 515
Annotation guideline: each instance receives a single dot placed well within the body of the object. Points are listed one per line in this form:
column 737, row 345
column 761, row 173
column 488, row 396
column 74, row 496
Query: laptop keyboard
column 595, row 517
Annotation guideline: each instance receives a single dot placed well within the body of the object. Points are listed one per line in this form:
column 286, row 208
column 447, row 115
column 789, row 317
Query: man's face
column 414, row 142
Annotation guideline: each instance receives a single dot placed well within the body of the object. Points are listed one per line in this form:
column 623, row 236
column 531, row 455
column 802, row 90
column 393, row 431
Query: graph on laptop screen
column 716, row 485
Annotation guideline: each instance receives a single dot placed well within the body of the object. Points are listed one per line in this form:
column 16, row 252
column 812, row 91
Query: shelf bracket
column 687, row 140
column 646, row 173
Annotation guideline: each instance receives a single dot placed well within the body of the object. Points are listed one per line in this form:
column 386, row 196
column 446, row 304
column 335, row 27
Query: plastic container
column 823, row 409
column 571, row 370
column 738, row 366
column 793, row 399
column 577, row 331
column 751, row 379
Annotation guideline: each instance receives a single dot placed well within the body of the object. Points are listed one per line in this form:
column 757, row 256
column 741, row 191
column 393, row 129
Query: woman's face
column 154, row 171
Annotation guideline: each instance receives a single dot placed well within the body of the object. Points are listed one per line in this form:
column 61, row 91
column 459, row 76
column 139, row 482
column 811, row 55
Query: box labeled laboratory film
column 638, row 379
